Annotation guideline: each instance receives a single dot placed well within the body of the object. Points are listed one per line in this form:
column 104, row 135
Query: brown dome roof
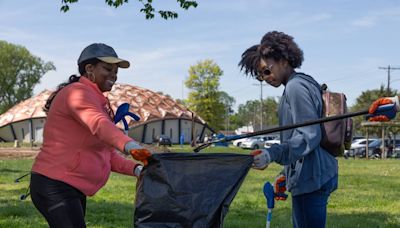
column 27, row 109
column 149, row 105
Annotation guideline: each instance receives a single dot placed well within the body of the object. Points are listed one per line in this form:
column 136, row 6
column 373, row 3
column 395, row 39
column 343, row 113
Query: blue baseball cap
column 104, row 53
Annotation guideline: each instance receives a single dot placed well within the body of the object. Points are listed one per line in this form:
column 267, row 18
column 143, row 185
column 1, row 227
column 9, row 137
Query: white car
column 255, row 142
column 358, row 143
column 237, row 142
column 268, row 143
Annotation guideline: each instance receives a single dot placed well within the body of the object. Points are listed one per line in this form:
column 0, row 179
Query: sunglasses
column 265, row 72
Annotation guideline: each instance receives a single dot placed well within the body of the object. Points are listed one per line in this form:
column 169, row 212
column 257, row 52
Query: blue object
column 122, row 111
column 269, row 195
column 388, row 110
column 182, row 139
column 221, row 136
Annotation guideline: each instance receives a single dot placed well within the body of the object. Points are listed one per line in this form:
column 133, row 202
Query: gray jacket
column 307, row 165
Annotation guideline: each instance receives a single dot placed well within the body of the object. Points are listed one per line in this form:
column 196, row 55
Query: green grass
column 368, row 196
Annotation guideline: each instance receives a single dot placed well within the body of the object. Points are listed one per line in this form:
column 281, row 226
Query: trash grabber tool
column 269, row 196
column 122, row 111
column 382, row 110
column 27, row 192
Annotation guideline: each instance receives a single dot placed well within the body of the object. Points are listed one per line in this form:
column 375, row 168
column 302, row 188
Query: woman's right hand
column 137, row 152
column 140, row 155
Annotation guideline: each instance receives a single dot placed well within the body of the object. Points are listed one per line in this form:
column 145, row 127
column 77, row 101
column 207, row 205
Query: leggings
column 61, row 204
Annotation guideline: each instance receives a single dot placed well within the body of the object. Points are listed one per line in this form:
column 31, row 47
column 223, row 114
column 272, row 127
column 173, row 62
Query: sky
column 344, row 41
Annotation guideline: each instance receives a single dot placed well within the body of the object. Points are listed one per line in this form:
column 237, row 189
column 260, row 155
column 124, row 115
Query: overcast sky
column 344, row 42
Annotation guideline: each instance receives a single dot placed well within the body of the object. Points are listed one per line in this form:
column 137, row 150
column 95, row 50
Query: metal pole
column 282, row 128
column 261, row 105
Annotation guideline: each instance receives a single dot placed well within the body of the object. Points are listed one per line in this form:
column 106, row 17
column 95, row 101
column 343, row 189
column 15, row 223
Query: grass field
column 368, row 196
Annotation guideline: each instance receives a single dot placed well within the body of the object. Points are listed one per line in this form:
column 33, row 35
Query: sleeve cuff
column 275, row 151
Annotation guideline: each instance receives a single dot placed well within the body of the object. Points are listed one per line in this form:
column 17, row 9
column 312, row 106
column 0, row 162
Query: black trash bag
column 188, row 189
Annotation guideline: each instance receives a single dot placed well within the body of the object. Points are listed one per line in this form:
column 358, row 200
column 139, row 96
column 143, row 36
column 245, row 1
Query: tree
column 204, row 96
column 147, row 9
column 363, row 102
column 20, row 71
column 228, row 102
column 248, row 114
column 270, row 110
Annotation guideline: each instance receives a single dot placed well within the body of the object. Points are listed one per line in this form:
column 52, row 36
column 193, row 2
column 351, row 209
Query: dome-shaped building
column 159, row 115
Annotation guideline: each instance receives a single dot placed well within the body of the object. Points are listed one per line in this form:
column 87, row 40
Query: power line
column 388, row 68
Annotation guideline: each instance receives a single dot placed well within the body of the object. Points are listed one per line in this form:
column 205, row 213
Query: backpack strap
column 321, row 88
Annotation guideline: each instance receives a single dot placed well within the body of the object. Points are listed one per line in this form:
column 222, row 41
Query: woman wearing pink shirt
column 80, row 141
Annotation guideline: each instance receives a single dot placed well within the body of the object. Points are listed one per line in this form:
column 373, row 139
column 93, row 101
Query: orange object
column 256, row 152
column 141, row 155
column 377, row 103
column 280, row 187
column 380, row 118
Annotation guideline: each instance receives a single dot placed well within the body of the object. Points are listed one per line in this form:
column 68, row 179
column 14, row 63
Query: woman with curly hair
column 310, row 172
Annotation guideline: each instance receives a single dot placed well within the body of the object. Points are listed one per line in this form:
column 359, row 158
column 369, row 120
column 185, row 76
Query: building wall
column 38, row 126
column 6, row 133
column 153, row 131
column 24, row 131
column 171, row 130
column 136, row 133
column 186, row 128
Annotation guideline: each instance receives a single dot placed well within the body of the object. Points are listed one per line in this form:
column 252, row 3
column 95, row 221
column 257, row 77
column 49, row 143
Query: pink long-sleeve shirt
column 80, row 140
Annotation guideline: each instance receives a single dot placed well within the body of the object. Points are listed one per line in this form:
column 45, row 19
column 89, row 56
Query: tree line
column 20, row 71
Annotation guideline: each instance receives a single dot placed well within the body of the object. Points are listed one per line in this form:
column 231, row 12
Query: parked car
column 164, row 140
column 358, row 149
column 238, row 142
column 374, row 149
column 255, row 142
column 268, row 143
column 358, row 137
column 357, row 143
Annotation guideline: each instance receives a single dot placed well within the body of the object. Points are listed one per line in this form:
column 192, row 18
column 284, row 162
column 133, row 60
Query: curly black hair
column 250, row 60
column 276, row 45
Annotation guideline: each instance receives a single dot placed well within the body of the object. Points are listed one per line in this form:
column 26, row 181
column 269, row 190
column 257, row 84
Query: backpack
column 338, row 134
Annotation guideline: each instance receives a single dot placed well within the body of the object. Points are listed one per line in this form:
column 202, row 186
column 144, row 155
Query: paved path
column 11, row 153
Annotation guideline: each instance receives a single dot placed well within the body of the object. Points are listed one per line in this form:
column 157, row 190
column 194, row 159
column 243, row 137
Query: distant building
column 159, row 115
column 244, row 130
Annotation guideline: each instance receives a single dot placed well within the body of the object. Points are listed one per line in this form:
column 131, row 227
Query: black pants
column 61, row 204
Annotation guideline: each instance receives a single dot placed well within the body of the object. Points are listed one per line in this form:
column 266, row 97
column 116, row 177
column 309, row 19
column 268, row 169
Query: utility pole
column 388, row 68
column 261, row 103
